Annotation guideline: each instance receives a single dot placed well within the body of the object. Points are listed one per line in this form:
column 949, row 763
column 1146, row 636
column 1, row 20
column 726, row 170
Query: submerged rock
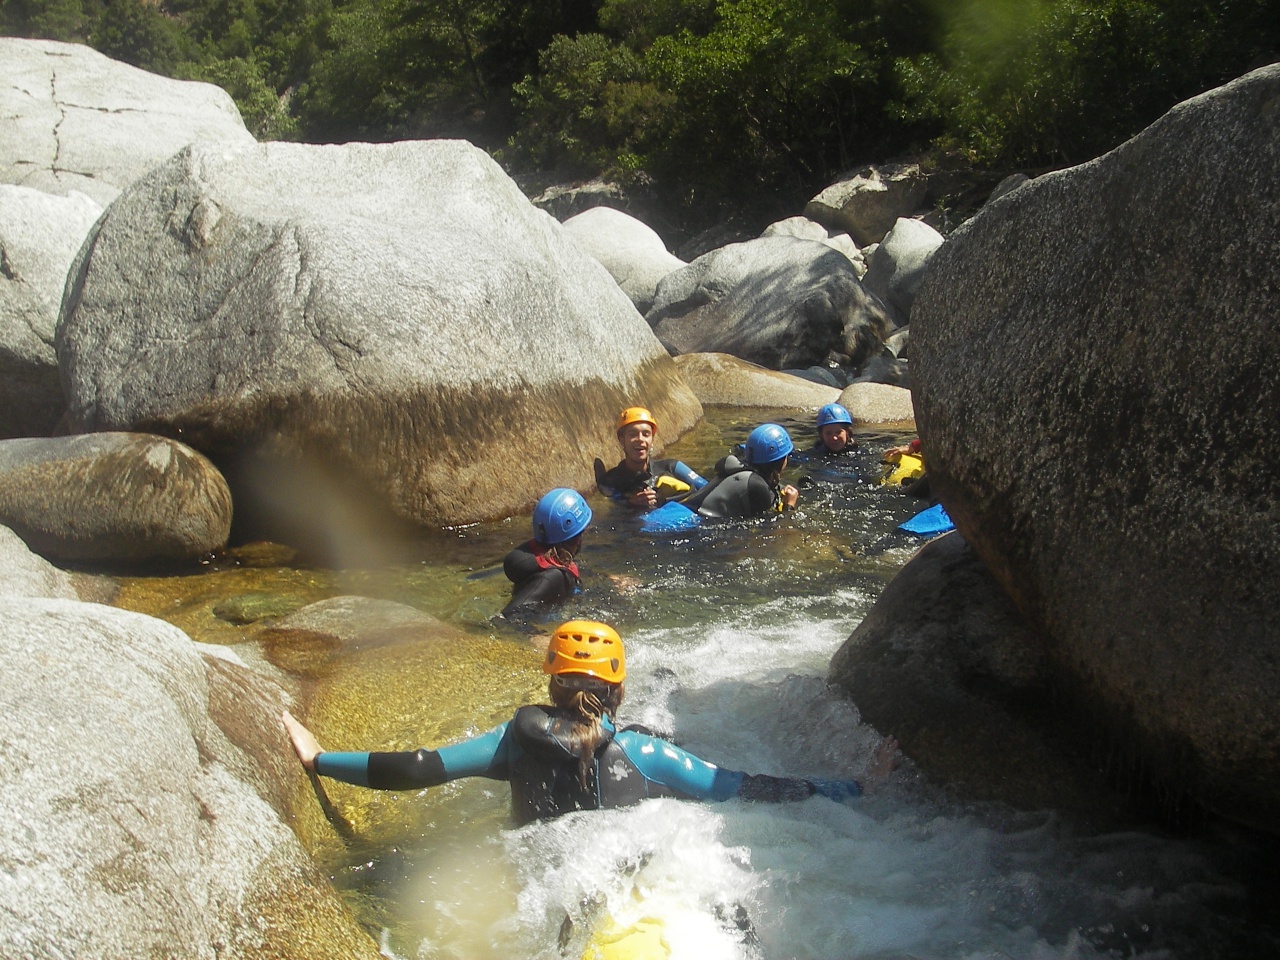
column 1100, row 413
column 387, row 331
column 122, row 497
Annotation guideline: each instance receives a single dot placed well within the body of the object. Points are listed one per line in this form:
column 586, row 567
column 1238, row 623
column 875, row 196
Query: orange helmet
column 589, row 647
column 636, row 415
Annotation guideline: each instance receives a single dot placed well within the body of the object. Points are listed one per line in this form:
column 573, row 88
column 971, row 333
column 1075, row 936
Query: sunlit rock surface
column 1096, row 370
column 135, row 825
column 123, row 497
column 386, row 327
column 75, row 119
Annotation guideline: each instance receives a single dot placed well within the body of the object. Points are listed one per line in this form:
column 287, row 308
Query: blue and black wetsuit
column 620, row 482
column 539, row 580
column 738, row 491
column 535, row 753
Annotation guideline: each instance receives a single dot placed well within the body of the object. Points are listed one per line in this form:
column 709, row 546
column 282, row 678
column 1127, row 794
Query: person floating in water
column 753, row 488
column 835, row 432
column 570, row 754
column 543, row 571
column 638, row 479
column 904, row 465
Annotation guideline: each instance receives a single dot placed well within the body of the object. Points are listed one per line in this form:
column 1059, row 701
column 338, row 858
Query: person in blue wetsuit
column 570, row 754
column 543, row 570
column 754, row 488
column 638, row 479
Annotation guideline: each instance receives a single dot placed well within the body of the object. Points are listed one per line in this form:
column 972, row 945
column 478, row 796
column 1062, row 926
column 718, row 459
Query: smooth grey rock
column 122, row 497
column 776, row 301
column 867, row 203
column 388, row 322
column 630, row 250
column 135, row 826
column 878, row 403
column 1008, row 185
column 1100, row 412
column 26, row 574
column 75, row 119
column 39, row 236
column 723, row 380
column 897, row 267
column 802, row 228
column 886, row 368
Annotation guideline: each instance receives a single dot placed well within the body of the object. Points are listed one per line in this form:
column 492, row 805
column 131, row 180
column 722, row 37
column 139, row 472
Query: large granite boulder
column 945, row 661
column 135, row 825
column 629, row 249
column 27, row 574
column 867, row 203
column 878, row 403
column 777, row 301
column 39, row 236
column 393, row 320
column 1096, row 362
column 116, row 497
column 75, row 119
column 897, row 266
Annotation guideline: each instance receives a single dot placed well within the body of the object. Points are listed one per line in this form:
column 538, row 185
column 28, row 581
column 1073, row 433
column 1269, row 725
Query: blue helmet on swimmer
column 560, row 515
column 833, row 413
column 768, row 443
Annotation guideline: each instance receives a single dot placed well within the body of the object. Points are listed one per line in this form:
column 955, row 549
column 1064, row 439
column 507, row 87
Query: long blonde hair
column 589, row 700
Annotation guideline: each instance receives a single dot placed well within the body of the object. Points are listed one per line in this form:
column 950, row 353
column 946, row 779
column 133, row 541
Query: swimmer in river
column 570, row 754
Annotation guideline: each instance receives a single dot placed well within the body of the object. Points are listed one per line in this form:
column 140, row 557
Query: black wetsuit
column 539, row 580
column 621, row 482
column 742, row 493
column 535, row 753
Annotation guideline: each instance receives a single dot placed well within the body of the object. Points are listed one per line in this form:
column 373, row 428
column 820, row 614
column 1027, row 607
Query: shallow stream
column 729, row 633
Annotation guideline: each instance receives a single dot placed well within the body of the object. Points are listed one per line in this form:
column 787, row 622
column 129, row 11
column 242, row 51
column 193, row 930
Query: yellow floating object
column 671, row 487
column 902, row 469
column 641, row 940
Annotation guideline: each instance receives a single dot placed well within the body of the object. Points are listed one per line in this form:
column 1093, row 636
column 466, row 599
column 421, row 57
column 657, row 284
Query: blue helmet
column 560, row 515
column 768, row 443
column 833, row 413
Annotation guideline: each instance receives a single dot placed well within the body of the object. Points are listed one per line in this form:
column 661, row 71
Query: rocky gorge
column 348, row 341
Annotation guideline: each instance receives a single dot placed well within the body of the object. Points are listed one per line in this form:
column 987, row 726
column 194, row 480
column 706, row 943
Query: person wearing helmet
column 914, row 485
column 835, row 432
column 753, row 488
column 638, row 479
column 570, row 754
column 543, row 570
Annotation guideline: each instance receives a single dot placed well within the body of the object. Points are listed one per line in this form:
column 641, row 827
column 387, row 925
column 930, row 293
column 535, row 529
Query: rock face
column 77, row 120
column 39, row 237
column 395, row 320
column 630, row 250
column 113, row 497
column 777, row 301
column 878, row 403
column 945, row 661
column 866, row 204
column 170, row 842
column 1100, row 417
column 897, row 266
column 26, row 574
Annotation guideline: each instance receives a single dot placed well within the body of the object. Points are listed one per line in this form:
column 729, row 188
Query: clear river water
column 729, row 633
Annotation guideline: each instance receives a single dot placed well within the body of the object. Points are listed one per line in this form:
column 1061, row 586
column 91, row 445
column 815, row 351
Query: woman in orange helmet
column 569, row 755
column 638, row 479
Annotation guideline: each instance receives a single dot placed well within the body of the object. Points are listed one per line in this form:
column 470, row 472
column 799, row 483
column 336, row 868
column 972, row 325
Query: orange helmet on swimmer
column 636, row 415
column 587, row 647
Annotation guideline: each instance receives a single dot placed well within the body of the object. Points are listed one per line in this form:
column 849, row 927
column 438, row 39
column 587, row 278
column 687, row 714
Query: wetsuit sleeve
column 682, row 471
column 667, row 764
column 483, row 756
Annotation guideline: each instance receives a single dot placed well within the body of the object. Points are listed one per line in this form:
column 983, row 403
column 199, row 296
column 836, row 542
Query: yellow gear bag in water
column 670, row 487
column 905, row 468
